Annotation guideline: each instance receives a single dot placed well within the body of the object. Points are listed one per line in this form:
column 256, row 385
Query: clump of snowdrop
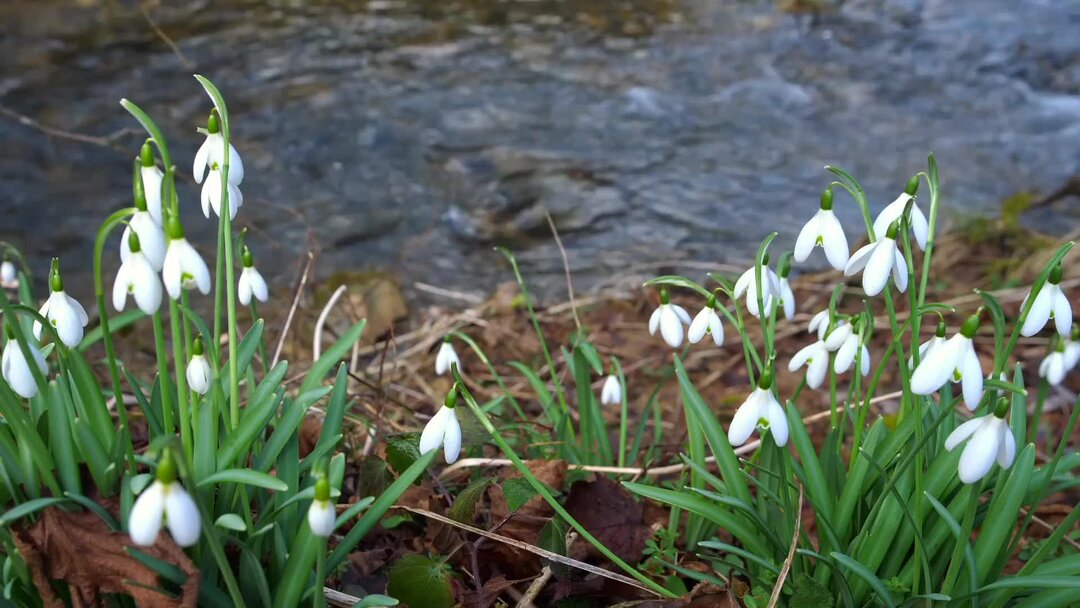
column 321, row 515
column 16, row 370
column 823, row 230
column 955, row 359
column 184, row 268
column 989, row 439
column 198, row 371
column 62, row 311
column 761, row 409
column 152, row 179
column 611, row 392
column 443, row 429
column 148, row 229
column 878, row 261
column 1050, row 303
column 251, row 282
column 165, row 500
column 669, row 319
column 211, row 155
column 895, row 210
column 137, row 278
column 707, row 322
column 770, row 288
column 446, row 358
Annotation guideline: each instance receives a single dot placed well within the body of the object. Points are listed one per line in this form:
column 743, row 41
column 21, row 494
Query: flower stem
column 163, row 374
column 179, row 362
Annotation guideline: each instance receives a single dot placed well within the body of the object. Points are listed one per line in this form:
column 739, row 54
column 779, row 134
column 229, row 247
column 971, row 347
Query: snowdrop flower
column 1072, row 349
column 1050, row 303
column 443, row 429
column 707, row 322
column 251, row 282
column 184, row 268
column 138, row 278
column 669, row 319
column 849, row 349
column 823, row 230
column 989, row 438
column 837, row 336
column 770, row 286
column 211, row 195
column 759, row 409
column 16, row 371
column 321, row 515
column 446, row 358
column 611, row 393
column 819, row 323
column 954, row 359
column 932, row 344
column 63, row 311
column 198, row 369
column 211, row 154
column 877, row 261
column 816, row 359
column 144, row 224
column 166, row 500
column 895, row 210
column 151, row 182
column 1053, row 366
column 9, row 275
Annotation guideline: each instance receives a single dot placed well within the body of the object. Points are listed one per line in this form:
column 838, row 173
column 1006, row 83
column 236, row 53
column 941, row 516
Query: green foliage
column 416, row 580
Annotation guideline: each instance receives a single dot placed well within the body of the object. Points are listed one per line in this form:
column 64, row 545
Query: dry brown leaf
column 79, row 549
column 610, row 514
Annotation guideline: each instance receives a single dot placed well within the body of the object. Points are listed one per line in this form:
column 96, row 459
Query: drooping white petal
column 145, row 285
column 743, row 283
column 682, row 314
column 43, row 311
column 1053, row 368
column 819, row 323
column 1072, row 354
column 202, row 156
column 182, row 516
column 144, row 523
column 899, row 273
column 890, row 214
column 859, row 259
column 8, row 273
column 452, row 438
column 919, row 227
column 778, row 426
column 864, row 361
column 716, row 329
column 654, row 322
column 17, row 372
column 808, row 236
column 1007, row 450
column 745, row 419
column 1062, row 312
column 151, row 239
column 152, row 178
column 879, row 266
column 611, row 393
column 807, row 353
column 787, row 298
column 845, row 355
column 971, row 376
column 445, row 358
column 432, row 436
column 818, row 358
column 67, row 316
column 198, row 374
column 962, row 432
column 210, row 196
column 834, row 241
column 980, row 453
column 322, row 518
column 1039, row 314
column 935, row 369
column 671, row 326
column 182, row 266
column 121, row 286
column 840, row 333
column 258, row 285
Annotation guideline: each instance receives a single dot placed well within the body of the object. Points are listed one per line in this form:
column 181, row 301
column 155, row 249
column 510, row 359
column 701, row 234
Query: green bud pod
column 213, row 123
column 451, row 398
column 766, row 380
column 1002, row 408
column 175, row 229
column 1055, row 275
column 197, row 345
column 146, row 155
column 971, row 325
column 912, row 186
column 894, row 229
column 710, row 302
column 249, row 260
column 55, row 282
column 664, row 299
column 166, row 468
column 133, row 242
column 826, row 200
column 941, row 329
column 765, row 259
column 139, row 190
column 322, row 490
column 785, row 266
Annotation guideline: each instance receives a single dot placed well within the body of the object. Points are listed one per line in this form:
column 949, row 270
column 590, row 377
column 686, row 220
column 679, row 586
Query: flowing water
column 415, row 135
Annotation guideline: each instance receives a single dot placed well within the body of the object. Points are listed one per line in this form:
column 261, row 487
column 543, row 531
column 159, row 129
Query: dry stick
column 106, row 141
column 316, row 339
column 449, row 293
column 292, row 309
column 566, row 268
column 549, row 555
column 779, row 586
column 188, row 65
column 537, row 585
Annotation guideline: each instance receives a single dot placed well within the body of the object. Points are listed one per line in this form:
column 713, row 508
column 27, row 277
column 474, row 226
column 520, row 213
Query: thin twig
column 316, row 339
column 297, row 292
column 566, row 268
column 105, row 141
column 779, row 585
column 537, row 585
column 188, row 65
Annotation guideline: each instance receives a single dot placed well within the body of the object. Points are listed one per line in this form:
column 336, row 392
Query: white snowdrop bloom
column 989, row 439
column 892, row 213
column 151, row 239
column 211, row 195
column 211, row 154
column 611, row 393
column 846, row 355
column 1050, row 303
column 932, row 344
column 1053, row 366
column 16, row 371
column 138, row 278
column 251, row 282
column 63, row 312
column 760, row 409
column 9, row 275
column 446, row 358
column 707, row 322
column 152, row 177
column 770, row 287
column 1072, row 349
column 877, row 261
column 198, row 372
column 184, row 268
column 443, row 429
column 321, row 515
column 166, row 500
column 669, row 319
column 956, row 359
column 836, row 337
column 819, row 323
column 816, row 359
column 787, row 298
column 823, row 230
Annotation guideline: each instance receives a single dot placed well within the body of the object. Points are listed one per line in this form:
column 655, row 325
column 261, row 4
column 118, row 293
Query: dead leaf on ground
column 610, row 514
column 525, row 524
column 79, row 549
column 703, row 595
column 491, row 590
